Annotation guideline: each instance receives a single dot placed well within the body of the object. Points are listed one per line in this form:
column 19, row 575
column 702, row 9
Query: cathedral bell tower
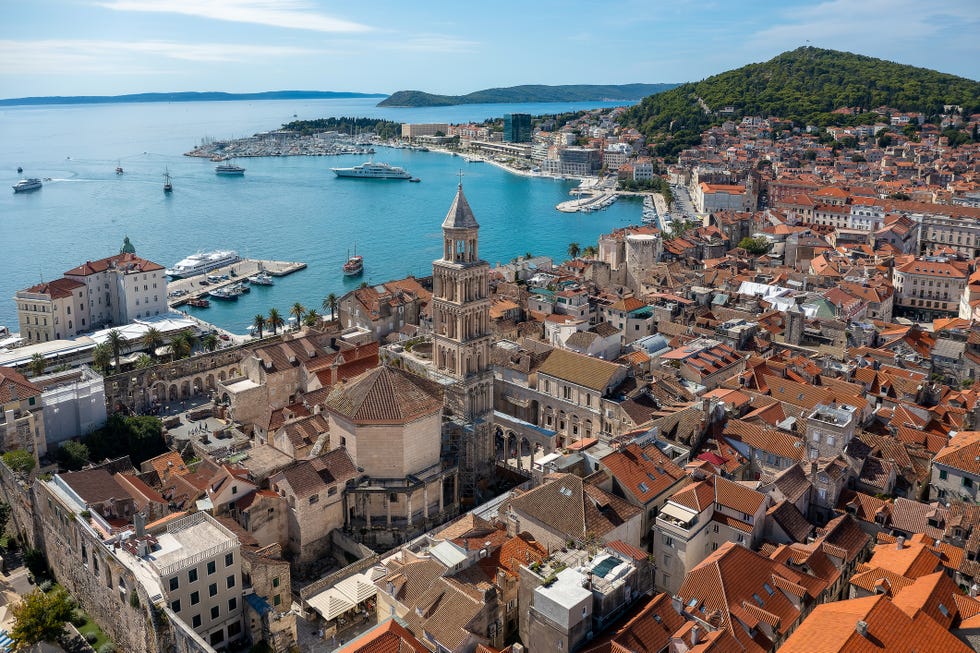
column 461, row 342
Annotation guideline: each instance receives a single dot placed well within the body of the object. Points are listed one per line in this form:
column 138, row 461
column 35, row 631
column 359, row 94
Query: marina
column 227, row 283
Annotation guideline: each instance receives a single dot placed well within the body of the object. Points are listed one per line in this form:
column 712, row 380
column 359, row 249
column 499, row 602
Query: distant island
column 188, row 96
column 528, row 93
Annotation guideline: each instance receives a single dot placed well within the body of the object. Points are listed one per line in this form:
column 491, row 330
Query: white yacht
column 229, row 170
column 372, row 170
column 25, row 185
column 202, row 262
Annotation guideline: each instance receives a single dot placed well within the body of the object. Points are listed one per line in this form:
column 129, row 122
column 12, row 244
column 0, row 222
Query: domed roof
column 460, row 214
column 384, row 395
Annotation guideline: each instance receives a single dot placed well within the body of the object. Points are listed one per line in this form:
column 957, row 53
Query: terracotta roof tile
column 593, row 373
column 14, row 386
column 385, row 395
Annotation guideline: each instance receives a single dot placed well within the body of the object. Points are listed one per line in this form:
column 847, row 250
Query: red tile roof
column 14, row 386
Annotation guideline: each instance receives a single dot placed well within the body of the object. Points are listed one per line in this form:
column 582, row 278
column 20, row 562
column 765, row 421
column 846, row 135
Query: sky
column 115, row 47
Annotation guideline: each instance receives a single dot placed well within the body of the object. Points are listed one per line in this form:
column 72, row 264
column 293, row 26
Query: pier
column 235, row 272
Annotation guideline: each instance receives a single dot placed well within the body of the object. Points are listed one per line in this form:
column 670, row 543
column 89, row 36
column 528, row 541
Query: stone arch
column 525, row 447
column 198, row 385
column 511, row 445
column 500, row 444
column 225, row 399
column 222, row 376
column 209, row 382
column 173, row 392
column 159, row 391
column 185, row 389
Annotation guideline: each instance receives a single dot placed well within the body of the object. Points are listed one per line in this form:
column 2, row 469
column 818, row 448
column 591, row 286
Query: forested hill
column 804, row 85
column 532, row 93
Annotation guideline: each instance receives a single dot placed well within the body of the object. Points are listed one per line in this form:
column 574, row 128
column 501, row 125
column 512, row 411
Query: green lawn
column 89, row 626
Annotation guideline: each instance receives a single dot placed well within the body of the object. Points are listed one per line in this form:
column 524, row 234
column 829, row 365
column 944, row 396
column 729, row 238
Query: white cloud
column 59, row 57
column 291, row 14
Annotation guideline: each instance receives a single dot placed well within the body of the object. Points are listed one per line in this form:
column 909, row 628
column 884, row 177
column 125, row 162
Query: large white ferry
column 25, row 185
column 372, row 170
column 229, row 170
column 202, row 262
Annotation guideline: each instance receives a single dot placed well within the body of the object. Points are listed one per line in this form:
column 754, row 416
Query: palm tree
column 116, row 342
column 102, row 356
column 330, row 304
column 573, row 250
column 259, row 323
column 152, row 339
column 210, row 342
column 144, row 362
column 274, row 320
column 297, row 311
column 182, row 344
column 590, row 252
column 37, row 365
column 312, row 318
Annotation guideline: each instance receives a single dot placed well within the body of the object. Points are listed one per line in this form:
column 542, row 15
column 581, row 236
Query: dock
column 593, row 202
column 236, row 272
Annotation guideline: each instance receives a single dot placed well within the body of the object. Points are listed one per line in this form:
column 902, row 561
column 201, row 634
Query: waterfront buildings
column 111, row 291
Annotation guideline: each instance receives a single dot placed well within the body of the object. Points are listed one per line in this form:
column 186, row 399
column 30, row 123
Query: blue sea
column 284, row 208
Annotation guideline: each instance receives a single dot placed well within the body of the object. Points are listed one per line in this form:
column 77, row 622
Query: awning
column 330, row 604
column 356, row 588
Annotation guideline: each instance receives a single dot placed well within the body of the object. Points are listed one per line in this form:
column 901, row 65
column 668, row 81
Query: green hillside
column 803, row 85
column 529, row 93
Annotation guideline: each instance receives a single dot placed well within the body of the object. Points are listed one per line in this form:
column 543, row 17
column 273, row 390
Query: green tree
column 573, row 250
column 754, row 246
column 210, row 342
column 312, row 318
column 41, row 617
column 102, row 357
column 330, row 304
column 297, row 311
column 37, row 365
column 590, row 252
column 274, row 320
column 138, row 436
column 182, row 344
column 144, row 362
column 152, row 340
column 259, row 323
column 19, row 460
column 116, row 342
column 884, row 139
column 73, row 455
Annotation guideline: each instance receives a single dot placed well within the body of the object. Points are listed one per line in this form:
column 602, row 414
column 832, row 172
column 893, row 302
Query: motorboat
column 229, row 170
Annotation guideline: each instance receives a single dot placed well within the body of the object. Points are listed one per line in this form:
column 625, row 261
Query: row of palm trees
column 107, row 354
column 304, row 316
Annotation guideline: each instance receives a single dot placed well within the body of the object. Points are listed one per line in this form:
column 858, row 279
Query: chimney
column 862, row 628
column 139, row 520
column 675, row 602
column 900, row 543
column 974, row 590
column 695, row 635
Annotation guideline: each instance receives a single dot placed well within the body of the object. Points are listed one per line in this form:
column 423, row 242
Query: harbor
column 193, row 290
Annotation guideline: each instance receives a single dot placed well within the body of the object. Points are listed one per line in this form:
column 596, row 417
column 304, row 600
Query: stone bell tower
column 461, row 344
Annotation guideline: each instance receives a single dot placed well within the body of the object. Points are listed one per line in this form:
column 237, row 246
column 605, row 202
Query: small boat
column 26, row 185
column 354, row 265
column 168, row 186
column 119, row 169
column 229, row 170
column 415, row 180
column 225, row 294
column 241, row 288
column 19, row 170
column 263, row 278
column 200, row 302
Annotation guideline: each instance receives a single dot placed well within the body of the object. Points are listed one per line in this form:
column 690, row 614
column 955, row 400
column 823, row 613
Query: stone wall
column 15, row 491
column 92, row 574
column 138, row 390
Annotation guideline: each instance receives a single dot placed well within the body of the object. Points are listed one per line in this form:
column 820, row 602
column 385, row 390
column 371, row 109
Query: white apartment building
column 928, row 288
column 114, row 290
column 199, row 565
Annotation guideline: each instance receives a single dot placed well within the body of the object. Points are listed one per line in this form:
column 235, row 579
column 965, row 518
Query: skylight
column 758, row 599
column 768, row 588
